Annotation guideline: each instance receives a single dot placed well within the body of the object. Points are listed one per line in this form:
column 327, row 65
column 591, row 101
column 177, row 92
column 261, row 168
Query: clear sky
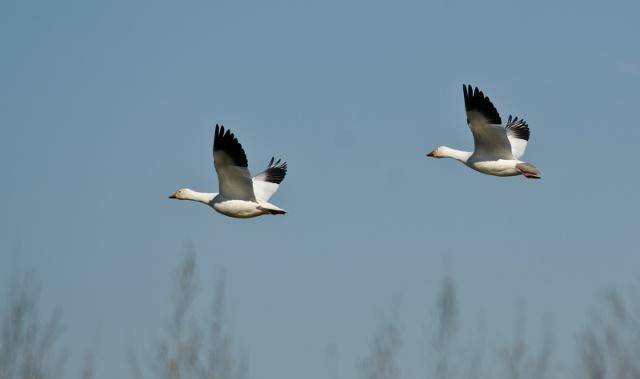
column 107, row 107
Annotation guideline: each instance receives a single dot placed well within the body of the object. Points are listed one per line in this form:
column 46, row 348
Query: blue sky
column 108, row 107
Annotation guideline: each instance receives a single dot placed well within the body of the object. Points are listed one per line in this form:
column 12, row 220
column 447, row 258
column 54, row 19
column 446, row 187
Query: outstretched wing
column 230, row 162
column 518, row 135
column 266, row 183
column 490, row 138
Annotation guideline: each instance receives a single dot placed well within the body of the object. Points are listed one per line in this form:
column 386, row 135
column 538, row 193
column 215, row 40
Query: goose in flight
column 498, row 149
column 241, row 195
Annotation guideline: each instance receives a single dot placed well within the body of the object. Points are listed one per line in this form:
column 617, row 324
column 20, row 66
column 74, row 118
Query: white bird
column 240, row 195
column 498, row 149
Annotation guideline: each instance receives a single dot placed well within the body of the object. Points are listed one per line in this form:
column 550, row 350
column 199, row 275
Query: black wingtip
column 518, row 127
column 219, row 132
column 475, row 100
column 275, row 172
column 466, row 88
column 225, row 140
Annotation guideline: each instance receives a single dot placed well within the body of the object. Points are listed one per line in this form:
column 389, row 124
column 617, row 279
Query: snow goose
column 497, row 149
column 240, row 195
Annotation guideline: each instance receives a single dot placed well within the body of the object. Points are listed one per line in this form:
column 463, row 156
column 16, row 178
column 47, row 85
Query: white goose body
column 485, row 165
column 237, row 208
column 243, row 208
column 240, row 196
column 497, row 149
column 500, row 167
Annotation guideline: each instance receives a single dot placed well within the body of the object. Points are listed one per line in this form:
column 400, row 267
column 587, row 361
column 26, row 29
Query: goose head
column 436, row 153
column 182, row 194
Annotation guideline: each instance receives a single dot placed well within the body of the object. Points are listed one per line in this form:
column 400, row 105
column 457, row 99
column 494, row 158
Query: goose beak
column 430, row 154
column 172, row 196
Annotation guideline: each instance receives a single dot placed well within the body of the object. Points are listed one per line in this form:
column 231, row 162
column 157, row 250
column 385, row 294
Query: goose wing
column 490, row 138
column 231, row 165
column 266, row 183
column 518, row 134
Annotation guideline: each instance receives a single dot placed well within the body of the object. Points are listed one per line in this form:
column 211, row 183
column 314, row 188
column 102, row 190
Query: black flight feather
column 275, row 172
column 518, row 128
column 226, row 142
column 475, row 100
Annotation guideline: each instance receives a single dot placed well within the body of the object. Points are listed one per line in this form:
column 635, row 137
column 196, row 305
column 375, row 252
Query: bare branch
column 87, row 370
column 446, row 328
column 191, row 348
column 381, row 363
column 520, row 360
column 610, row 344
column 27, row 344
column 219, row 358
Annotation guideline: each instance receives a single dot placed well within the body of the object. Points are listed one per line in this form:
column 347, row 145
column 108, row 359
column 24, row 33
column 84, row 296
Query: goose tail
column 271, row 209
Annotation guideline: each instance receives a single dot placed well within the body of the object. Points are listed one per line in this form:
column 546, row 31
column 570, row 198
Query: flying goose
column 240, row 195
column 498, row 149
